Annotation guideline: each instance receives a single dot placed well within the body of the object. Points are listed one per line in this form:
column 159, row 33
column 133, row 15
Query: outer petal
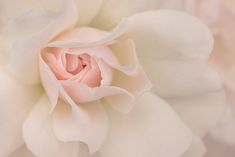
column 108, row 16
column 25, row 52
column 170, row 34
column 151, row 129
column 39, row 136
column 22, row 152
column 177, row 78
column 8, row 11
column 87, row 10
column 225, row 129
column 197, row 149
column 90, row 127
column 16, row 100
column 210, row 107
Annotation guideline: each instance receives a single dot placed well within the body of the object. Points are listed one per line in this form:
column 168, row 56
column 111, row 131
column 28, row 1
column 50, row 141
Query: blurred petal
column 16, row 100
column 90, row 129
column 39, row 136
column 218, row 149
column 197, row 149
column 8, row 11
column 151, row 129
column 108, row 16
column 225, row 129
column 201, row 112
column 22, row 152
column 177, row 78
column 169, row 34
column 87, row 10
column 84, row 152
column 24, row 58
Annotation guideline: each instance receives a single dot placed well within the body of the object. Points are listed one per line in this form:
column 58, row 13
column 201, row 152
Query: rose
column 151, row 127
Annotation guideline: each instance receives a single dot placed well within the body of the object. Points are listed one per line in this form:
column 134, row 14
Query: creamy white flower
column 172, row 47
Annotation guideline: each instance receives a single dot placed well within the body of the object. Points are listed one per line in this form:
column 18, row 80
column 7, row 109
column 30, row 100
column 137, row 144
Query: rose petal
column 9, row 11
column 39, row 137
column 177, row 78
column 16, row 101
column 90, row 129
column 25, row 52
column 210, row 107
column 106, row 39
column 172, row 34
column 87, row 10
column 197, row 149
column 49, row 82
column 119, row 98
column 84, row 152
column 224, row 130
column 151, row 129
column 108, row 16
column 22, row 152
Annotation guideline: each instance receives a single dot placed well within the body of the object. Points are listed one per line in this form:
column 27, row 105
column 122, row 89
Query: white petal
column 39, row 136
column 25, row 53
column 168, row 34
column 90, row 129
column 197, row 149
column 84, row 152
column 225, row 129
column 177, row 78
column 151, row 129
column 201, row 112
column 9, row 11
column 87, row 10
column 16, row 100
column 22, row 152
column 108, row 16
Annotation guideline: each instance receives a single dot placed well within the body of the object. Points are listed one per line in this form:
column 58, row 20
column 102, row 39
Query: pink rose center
column 81, row 68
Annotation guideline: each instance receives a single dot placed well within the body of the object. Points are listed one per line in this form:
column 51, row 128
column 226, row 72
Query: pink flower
column 74, row 79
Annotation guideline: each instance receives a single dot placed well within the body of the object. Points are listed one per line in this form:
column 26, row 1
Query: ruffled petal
column 16, row 100
column 210, row 107
column 151, row 129
column 24, row 58
column 166, row 34
column 119, row 98
column 23, row 151
column 39, row 136
column 89, row 127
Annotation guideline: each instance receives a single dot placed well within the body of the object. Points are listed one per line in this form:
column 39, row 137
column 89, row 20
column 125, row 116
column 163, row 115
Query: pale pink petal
column 103, row 40
column 16, row 101
column 23, row 151
column 49, row 82
column 39, row 136
column 24, row 58
column 151, row 129
column 119, row 98
column 90, row 129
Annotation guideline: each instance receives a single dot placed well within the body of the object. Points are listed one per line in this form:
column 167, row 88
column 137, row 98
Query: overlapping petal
column 151, row 129
column 39, row 136
column 16, row 102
